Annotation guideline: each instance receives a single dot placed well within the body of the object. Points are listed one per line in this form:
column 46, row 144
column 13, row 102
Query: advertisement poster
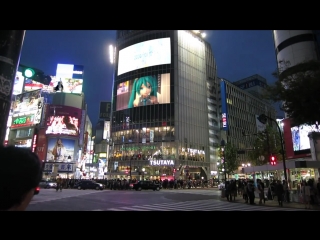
column 260, row 126
column 60, row 149
column 18, row 84
column 71, row 77
column 144, row 54
column 63, row 120
column 147, row 90
column 26, row 103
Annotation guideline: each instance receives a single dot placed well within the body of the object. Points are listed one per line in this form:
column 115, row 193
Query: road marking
column 202, row 205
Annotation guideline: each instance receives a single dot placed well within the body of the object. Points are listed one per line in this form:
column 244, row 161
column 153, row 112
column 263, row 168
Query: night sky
column 238, row 54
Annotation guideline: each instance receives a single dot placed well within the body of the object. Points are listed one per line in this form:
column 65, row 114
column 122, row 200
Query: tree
column 232, row 161
column 266, row 143
column 298, row 88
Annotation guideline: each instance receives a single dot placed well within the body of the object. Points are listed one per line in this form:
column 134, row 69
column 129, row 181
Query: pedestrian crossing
column 201, row 205
column 207, row 192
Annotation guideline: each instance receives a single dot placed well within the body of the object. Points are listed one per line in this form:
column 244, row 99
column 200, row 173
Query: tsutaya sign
column 161, row 162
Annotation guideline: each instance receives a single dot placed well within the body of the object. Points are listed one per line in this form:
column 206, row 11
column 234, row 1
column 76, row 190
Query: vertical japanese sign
column 224, row 106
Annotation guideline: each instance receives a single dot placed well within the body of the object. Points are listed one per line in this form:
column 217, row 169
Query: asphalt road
column 115, row 200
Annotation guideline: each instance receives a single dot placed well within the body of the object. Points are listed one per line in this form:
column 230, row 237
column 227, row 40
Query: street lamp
column 246, row 165
column 223, row 144
column 263, row 119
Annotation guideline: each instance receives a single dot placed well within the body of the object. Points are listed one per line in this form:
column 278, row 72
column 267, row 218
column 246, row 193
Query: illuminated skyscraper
column 164, row 106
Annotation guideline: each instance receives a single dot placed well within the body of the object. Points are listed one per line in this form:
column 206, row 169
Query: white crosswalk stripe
column 202, row 205
column 208, row 192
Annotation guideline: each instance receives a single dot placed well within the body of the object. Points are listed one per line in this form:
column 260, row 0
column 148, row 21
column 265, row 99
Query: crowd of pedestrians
column 308, row 191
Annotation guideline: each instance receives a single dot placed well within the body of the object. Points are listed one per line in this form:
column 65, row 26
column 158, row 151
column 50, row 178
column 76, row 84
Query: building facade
column 295, row 46
column 243, row 108
column 52, row 122
column 165, row 121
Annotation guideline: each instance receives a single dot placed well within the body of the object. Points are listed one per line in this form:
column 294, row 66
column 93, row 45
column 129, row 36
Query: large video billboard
column 147, row 90
column 60, row 149
column 26, row 109
column 144, row 54
column 63, row 120
column 71, row 77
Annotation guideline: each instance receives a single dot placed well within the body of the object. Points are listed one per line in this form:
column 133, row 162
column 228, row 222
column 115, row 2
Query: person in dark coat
column 227, row 190
column 250, row 192
column 279, row 190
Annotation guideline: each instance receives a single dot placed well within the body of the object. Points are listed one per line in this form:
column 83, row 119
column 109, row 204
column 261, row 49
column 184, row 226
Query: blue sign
column 224, row 106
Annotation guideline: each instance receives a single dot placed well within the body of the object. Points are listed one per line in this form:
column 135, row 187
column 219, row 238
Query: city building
column 243, row 108
column 254, row 84
column 295, row 46
column 52, row 121
column 165, row 121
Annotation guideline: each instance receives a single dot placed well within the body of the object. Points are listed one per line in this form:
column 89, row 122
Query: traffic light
column 174, row 170
column 139, row 155
column 28, row 72
column 273, row 160
column 35, row 74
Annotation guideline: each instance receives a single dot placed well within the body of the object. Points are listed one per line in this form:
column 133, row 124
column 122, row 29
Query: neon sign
column 22, row 121
column 34, row 143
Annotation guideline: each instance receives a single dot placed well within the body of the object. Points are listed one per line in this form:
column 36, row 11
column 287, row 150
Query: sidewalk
column 274, row 203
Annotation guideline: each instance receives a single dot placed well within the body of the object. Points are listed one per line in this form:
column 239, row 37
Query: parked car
column 146, row 185
column 36, row 190
column 89, row 184
column 47, row 184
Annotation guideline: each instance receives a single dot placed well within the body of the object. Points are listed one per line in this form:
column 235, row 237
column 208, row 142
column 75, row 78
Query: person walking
column 59, row 183
column 305, row 189
column 279, row 191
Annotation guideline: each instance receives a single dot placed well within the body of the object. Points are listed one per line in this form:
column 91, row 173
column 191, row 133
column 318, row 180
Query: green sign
column 23, row 120
column 20, row 120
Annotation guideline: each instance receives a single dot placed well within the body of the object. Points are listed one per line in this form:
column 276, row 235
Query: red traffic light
column 273, row 160
column 174, row 170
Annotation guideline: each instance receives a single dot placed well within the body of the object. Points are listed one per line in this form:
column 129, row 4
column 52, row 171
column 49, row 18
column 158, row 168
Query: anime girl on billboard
column 144, row 92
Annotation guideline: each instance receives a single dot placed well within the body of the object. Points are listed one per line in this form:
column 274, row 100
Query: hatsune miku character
column 144, row 92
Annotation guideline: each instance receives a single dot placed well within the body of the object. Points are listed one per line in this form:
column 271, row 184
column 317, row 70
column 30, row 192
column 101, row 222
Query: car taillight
column 37, row 189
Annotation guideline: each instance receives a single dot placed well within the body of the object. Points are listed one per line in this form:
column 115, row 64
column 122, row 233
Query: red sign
column 41, row 147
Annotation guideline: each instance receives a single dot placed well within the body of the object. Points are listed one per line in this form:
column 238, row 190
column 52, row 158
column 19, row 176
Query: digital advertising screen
column 60, row 149
column 147, row 90
column 106, row 130
column 63, row 120
column 300, row 139
column 18, row 84
column 144, row 54
column 27, row 108
column 71, row 77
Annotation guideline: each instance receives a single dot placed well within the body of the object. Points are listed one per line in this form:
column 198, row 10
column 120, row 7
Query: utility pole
column 10, row 50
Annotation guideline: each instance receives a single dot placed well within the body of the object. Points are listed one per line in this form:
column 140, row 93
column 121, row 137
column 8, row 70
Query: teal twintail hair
column 152, row 80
